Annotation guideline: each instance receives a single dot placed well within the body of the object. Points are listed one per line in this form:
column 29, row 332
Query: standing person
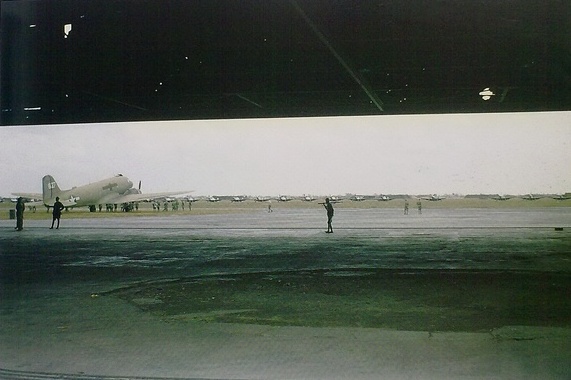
column 406, row 206
column 58, row 208
column 20, row 207
column 419, row 205
column 329, row 207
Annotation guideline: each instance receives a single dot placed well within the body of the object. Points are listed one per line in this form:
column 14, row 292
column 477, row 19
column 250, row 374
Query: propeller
column 132, row 190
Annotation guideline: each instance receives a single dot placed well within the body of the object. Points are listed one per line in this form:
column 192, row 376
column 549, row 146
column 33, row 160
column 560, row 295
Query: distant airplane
column 26, row 197
column 384, row 198
column 213, row 199
column 31, row 200
column 433, row 197
column 358, row 198
column 114, row 190
column 561, row 197
column 284, row 198
column 530, row 197
column 261, row 199
column 501, row 197
column 239, row 198
column 308, row 198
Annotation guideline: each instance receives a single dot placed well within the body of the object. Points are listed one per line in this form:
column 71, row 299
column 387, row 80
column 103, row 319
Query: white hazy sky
column 418, row 154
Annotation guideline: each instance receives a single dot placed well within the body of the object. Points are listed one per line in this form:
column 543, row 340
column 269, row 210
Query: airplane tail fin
column 50, row 189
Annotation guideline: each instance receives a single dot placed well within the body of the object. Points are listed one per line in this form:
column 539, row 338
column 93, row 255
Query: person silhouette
column 58, row 208
column 20, row 207
column 329, row 207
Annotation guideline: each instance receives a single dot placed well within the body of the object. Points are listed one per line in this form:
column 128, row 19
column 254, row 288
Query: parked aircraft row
column 119, row 189
column 386, row 198
column 531, row 197
column 357, row 198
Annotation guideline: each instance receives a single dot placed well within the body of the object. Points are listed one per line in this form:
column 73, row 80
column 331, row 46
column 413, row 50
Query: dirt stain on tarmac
column 419, row 300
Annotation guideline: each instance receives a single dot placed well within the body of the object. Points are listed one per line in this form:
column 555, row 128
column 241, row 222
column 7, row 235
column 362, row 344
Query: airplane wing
column 30, row 199
column 34, row 204
column 142, row 197
column 29, row 195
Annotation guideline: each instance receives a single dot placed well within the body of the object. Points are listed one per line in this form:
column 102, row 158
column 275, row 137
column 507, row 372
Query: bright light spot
column 486, row 94
column 32, row 25
column 66, row 30
column 32, row 108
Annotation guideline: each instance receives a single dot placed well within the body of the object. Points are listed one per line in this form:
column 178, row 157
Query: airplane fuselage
column 99, row 192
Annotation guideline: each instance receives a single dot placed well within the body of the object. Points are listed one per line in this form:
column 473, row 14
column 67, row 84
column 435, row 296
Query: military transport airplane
column 114, row 190
column 384, row 198
column 501, row 197
column 433, row 198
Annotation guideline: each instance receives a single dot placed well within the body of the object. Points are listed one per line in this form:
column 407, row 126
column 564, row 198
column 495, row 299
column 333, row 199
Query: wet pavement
column 98, row 290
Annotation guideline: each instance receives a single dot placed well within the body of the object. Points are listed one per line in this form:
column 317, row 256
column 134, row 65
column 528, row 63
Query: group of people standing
column 58, row 207
column 418, row 205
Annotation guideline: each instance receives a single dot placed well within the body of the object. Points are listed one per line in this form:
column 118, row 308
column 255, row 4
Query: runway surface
column 453, row 293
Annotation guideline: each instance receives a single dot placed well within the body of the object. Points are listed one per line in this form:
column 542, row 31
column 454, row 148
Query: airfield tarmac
column 449, row 293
